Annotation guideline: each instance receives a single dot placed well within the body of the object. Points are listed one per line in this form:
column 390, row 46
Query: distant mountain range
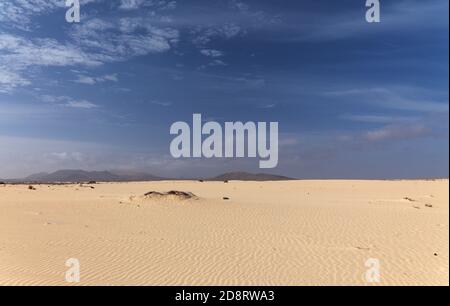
column 72, row 176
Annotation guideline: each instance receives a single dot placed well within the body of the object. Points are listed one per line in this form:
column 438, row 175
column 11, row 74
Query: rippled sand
column 266, row 233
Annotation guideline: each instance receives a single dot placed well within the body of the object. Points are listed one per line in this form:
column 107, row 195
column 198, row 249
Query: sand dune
column 265, row 233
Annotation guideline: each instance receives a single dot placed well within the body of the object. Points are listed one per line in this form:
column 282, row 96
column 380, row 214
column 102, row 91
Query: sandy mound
column 171, row 196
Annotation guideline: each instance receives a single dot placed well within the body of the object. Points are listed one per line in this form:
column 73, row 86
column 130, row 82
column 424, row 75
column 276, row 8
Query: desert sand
column 266, row 233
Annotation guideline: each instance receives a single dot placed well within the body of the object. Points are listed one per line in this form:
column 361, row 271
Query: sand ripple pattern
column 274, row 233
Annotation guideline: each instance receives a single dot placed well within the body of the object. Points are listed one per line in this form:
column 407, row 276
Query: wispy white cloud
column 95, row 42
column 212, row 53
column 21, row 157
column 385, row 119
column 110, row 77
column 67, row 156
column 10, row 80
column 19, row 53
column 80, row 104
column 397, row 132
column 161, row 103
column 217, row 62
column 68, row 102
column 395, row 129
column 205, row 34
column 19, row 13
column 157, row 4
column 82, row 79
column 123, row 39
column 99, row 40
column 89, row 80
column 400, row 98
column 402, row 15
column 269, row 106
column 130, row 4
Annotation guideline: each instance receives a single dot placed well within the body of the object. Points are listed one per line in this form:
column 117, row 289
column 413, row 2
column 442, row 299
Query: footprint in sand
column 409, row 199
column 363, row 248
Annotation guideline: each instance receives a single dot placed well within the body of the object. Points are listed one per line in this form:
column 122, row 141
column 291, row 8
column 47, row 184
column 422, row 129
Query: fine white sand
column 267, row 233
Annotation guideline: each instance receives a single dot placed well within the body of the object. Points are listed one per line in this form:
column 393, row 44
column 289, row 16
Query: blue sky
column 353, row 99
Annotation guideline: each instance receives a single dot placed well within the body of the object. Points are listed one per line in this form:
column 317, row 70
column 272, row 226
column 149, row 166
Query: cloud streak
column 397, row 132
column 89, row 80
column 68, row 102
column 408, row 99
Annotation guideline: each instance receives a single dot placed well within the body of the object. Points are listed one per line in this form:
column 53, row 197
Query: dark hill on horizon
column 71, row 176
column 74, row 176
